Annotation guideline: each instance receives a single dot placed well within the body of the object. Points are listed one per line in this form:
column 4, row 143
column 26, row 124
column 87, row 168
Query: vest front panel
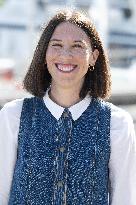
column 62, row 163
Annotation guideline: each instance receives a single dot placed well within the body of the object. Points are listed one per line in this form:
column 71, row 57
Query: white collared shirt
column 122, row 164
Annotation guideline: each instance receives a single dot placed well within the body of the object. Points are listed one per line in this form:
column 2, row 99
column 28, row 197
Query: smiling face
column 68, row 56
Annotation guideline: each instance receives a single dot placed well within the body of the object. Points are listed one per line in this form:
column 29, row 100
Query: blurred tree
column 2, row 2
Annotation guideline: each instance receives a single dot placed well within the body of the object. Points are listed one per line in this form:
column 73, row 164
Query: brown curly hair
column 97, row 82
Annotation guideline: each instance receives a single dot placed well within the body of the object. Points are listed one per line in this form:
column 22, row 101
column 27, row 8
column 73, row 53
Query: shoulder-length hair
column 97, row 82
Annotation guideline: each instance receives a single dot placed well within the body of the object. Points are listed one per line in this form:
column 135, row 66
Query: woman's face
column 68, row 55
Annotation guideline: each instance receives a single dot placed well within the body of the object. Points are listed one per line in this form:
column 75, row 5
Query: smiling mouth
column 65, row 68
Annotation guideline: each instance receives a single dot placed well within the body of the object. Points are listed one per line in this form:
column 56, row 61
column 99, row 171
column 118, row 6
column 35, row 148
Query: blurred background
column 21, row 25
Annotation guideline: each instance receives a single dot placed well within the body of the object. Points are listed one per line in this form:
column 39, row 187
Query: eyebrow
column 55, row 39
column 78, row 41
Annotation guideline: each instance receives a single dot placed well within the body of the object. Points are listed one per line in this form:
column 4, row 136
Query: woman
column 66, row 145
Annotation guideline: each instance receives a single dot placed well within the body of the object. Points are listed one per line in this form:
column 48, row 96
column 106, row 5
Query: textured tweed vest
column 62, row 162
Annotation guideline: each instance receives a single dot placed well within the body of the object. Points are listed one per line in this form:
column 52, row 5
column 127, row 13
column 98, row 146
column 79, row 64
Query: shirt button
column 62, row 149
column 60, row 183
column 65, row 114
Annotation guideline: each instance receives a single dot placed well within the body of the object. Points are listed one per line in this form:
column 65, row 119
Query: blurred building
column 21, row 21
column 122, row 31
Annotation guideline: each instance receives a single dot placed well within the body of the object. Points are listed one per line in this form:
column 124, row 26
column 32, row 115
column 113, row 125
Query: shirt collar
column 76, row 110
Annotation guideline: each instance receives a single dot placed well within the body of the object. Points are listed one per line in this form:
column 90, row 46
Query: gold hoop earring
column 91, row 67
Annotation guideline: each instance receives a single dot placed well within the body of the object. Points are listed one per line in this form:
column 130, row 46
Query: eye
column 56, row 45
column 77, row 46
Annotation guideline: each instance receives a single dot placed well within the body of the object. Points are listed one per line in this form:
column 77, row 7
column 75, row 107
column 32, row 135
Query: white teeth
column 66, row 68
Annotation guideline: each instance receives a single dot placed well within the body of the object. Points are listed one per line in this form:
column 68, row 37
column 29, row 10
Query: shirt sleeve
column 9, row 127
column 122, row 164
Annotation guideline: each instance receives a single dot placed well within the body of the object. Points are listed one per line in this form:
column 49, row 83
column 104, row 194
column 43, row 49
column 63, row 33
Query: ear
column 94, row 57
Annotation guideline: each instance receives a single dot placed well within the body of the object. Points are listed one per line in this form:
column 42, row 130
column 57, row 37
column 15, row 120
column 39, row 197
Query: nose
column 66, row 53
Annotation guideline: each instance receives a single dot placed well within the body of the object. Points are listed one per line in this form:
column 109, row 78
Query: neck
column 64, row 97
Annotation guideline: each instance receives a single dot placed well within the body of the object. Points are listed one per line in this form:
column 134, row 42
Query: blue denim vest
column 62, row 162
